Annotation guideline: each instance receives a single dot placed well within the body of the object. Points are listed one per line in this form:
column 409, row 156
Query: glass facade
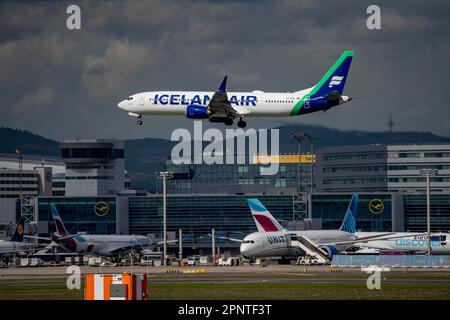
column 197, row 215
column 200, row 178
column 374, row 211
column 95, row 215
column 415, row 208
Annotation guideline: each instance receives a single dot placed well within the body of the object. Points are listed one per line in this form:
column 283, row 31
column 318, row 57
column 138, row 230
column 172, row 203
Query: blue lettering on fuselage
column 164, row 99
column 402, row 242
column 275, row 239
column 176, row 99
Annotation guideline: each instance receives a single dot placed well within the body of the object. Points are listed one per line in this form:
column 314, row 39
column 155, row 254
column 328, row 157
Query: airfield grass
column 251, row 291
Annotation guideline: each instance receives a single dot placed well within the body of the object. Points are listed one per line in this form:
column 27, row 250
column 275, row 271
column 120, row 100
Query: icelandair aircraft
column 225, row 107
column 103, row 245
column 16, row 243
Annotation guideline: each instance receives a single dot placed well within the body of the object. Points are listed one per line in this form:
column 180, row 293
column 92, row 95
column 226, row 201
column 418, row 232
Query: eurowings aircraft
column 103, row 245
column 273, row 240
column 225, row 107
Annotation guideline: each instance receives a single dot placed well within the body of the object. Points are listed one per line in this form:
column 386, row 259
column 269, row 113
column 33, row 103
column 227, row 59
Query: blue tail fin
column 18, row 233
column 349, row 222
column 334, row 79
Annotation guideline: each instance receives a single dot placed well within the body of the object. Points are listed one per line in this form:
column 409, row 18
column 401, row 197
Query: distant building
column 237, row 178
column 382, row 168
column 94, row 167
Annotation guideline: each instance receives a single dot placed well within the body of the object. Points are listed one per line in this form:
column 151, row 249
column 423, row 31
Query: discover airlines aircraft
column 225, row 107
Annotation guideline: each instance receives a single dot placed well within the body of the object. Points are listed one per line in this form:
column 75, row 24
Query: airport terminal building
column 203, row 197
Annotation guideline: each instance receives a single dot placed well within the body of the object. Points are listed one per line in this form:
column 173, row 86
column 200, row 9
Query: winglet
column 349, row 222
column 223, row 86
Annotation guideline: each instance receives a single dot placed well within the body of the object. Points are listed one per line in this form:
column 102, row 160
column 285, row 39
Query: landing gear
column 228, row 122
column 139, row 122
column 241, row 123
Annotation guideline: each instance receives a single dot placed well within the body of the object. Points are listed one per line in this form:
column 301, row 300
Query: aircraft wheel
column 242, row 124
column 139, row 122
column 228, row 122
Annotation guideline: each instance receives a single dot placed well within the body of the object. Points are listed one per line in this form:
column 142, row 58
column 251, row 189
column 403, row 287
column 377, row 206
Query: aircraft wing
column 39, row 238
column 226, row 238
column 159, row 243
column 385, row 236
column 220, row 106
column 363, row 246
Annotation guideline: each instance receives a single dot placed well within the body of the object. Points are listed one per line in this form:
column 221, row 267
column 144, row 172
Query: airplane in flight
column 16, row 243
column 103, row 245
column 225, row 107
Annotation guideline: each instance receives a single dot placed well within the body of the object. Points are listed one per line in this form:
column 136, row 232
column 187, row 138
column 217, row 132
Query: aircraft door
column 141, row 101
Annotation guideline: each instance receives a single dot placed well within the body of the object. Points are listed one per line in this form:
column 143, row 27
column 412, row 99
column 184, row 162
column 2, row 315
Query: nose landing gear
column 139, row 122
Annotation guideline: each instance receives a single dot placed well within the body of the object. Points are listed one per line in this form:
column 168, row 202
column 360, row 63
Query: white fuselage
column 10, row 247
column 106, row 245
column 408, row 243
column 249, row 104
column 269, row 244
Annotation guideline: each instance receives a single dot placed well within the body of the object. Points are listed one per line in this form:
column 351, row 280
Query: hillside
column 143, row 157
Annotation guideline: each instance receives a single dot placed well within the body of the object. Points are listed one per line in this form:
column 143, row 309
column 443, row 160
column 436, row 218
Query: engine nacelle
column 318, row 103
column 329, row 250
column 197, row 112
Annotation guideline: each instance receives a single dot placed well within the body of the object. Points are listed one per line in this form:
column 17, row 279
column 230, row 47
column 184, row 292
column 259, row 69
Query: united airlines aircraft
column 225, row 107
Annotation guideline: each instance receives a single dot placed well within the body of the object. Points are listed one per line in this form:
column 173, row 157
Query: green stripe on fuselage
column 295, row 111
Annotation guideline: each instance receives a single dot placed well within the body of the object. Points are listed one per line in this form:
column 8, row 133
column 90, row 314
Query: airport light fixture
column 164, row 175
column 428, row 173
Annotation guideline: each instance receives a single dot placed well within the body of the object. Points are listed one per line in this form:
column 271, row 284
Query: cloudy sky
column 64, row 83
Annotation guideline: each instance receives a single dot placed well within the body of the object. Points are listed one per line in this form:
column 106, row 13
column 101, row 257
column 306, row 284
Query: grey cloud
column 126, row 47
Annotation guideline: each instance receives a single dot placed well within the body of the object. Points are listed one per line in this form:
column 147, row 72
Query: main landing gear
column 228, row 122
column 241, row 123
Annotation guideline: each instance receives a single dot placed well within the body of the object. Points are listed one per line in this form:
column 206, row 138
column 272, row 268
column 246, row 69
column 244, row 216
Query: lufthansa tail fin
column 60, row 228
column 264, row 220
column 349, row 222
column 334, row 79
column 18, row 233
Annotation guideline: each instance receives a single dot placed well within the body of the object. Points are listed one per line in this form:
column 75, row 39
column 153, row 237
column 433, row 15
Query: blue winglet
column 349, row 222
column 223, row 86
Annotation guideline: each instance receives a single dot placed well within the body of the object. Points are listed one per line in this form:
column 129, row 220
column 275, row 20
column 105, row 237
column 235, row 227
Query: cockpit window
column 130, row 98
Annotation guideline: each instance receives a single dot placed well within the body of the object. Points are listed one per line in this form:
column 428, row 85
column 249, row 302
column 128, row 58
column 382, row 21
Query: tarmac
column 229, row 275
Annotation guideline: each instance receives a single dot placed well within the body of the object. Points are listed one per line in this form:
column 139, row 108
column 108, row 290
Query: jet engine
column 197, row 112
column 329, row 250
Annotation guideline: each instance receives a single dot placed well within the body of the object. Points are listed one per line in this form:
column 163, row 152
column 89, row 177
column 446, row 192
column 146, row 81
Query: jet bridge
column 310, row 248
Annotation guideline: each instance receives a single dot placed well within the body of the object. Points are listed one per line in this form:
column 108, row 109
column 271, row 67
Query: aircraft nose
column 121, row 104
column 244, row 249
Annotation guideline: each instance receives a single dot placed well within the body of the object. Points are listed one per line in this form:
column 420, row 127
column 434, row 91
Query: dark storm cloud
column 63, row 83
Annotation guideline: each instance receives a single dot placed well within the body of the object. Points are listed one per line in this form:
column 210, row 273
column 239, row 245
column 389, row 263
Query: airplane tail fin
column 349, row 222
column 264, row 220
column 60, row 228
column 18, row 233
column 334, row 79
